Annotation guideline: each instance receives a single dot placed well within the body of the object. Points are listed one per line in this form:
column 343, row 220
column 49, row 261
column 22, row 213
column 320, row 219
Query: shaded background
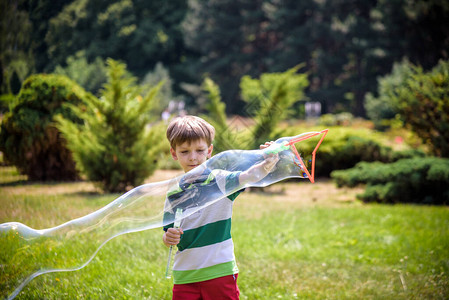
column 345, row 45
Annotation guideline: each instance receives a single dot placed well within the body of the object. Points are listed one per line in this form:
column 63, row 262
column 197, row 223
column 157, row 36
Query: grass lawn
column 296, row 240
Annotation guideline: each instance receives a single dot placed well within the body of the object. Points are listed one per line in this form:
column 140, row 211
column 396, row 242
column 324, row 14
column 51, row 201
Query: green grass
column 308, row 242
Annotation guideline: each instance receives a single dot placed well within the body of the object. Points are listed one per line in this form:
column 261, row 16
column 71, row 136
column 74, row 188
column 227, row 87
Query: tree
column 345, row 45
column 270, row 98
column 231, row 39
column 16, row 60
column 268, row 101
column 165, row 94
column 91, row 76
column 423, row 102
column 225, row 138
column 40, row 13
column 28, row 137
column 140, row 33
column 113, row 146
column 381, row 109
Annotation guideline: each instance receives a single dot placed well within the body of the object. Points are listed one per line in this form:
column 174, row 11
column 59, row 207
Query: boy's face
column 191, row 154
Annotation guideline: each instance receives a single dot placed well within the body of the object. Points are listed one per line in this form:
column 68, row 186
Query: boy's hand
column 261, row 169
column 266, row 145
column 172, row 236
column 271, row 160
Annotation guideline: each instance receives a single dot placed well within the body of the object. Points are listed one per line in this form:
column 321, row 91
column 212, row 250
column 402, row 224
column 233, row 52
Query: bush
column 270, row 99
column 91, row 76
column 381, row 108
column 28, row 138
column 343, row 148
column 420, row 98
column 114, row 146
column 415, row 180
column 341, row 119
column 423, row 102
column 7, row 101
column 225, row 137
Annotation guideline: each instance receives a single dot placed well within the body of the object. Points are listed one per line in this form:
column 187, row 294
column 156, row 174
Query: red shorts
column 218, row 288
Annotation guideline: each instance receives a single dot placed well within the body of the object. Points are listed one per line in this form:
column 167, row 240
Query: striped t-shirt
column 206, row 250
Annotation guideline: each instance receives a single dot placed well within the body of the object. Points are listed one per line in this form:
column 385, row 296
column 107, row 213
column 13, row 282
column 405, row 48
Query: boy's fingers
column 172, row 240
column 266, row 145
column 174, row 233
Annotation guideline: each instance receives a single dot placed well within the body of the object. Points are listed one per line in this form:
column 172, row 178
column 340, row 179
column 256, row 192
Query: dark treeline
column 345, row 45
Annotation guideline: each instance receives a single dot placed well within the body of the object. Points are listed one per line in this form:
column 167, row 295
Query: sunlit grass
column 294, row 241
column 10, row 176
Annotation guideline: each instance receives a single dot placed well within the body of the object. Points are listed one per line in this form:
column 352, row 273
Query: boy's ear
column 173, row 154
column 209, row 151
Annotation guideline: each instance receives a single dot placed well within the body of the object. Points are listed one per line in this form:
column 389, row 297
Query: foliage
column 114, row 147
column 141, row 33
column 345, row 46
column 218, row 32
column 343, row 148
column 418, row 180
column 40, row 15
column 423, row 103
column 165, row 94
column 91, row 76
column 269, row 99
column 381, row 108
column 28, row 138
column 340, row 119
column 7, row 102
column 16, row 59
column 418, row 99
column 225, row 137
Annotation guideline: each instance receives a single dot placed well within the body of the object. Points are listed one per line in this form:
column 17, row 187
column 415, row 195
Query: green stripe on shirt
column 208, row 233
column 220, row 270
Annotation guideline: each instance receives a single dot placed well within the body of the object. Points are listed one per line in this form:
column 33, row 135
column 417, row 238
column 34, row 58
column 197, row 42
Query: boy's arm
column 260, row 170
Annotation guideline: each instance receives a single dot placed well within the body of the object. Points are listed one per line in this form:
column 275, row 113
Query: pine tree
column 225, row 137
column 114, row 147
column 271, row 97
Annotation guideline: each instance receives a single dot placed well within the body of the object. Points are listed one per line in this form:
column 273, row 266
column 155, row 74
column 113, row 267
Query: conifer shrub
column 423, row 103
column 414, row 180
column 115, row 146
column 7, row 101
column 270, row 99
column 28, row 138
column 343, row 148
column 419, row 99
column 225, row 138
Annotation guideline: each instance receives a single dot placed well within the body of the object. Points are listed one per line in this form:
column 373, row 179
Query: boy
column 205, row 266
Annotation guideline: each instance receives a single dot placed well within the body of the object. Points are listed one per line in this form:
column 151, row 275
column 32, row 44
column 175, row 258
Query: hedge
column 415, row 180
column 343, row 148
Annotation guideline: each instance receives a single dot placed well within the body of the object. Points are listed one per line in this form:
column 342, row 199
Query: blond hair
column 188, row 129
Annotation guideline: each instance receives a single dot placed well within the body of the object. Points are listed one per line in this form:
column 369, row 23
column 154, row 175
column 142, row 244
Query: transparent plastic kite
column 26, row 253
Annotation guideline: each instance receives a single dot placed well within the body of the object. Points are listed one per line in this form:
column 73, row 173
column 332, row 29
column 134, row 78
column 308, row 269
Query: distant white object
column 313, row 109
column 165, row 115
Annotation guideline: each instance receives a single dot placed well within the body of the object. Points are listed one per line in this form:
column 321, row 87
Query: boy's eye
column 184, row 152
